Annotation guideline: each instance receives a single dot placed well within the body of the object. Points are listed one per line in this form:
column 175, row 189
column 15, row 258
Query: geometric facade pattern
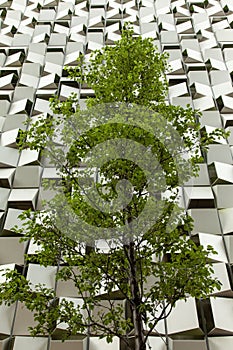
column 37, row 39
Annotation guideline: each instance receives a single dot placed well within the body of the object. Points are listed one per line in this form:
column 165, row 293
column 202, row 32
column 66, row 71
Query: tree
column 151, row 264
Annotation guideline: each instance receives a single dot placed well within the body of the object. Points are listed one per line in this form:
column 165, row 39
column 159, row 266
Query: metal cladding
column 37, row 39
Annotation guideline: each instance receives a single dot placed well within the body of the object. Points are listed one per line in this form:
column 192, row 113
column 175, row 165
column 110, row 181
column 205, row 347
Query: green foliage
column 133, row 72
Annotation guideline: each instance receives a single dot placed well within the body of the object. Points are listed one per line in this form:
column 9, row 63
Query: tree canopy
column 128, row 148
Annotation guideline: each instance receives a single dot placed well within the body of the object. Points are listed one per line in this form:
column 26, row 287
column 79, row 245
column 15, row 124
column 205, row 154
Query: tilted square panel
column 180, row 9
column 9, row 138
column 57, row 39
column 33, row 248
column 220, row 173
column 64, row 10
column 15, row 59
column 23, row 198
column 198, row 197
column 13, row 121
column 224, row 35
column 222, row 89
column 67, row 90
column 41, row 33
column 47, row 15
column 4, row 107
column 4, row 343
column 221, row 273
column 6, row 177
column 4, row 269
column 214, row 8
column 4, row 195
column 68, row 288
column 222, row 309
column 23, row 320
column 36, row 53
column 230, row 137
column 22, row 93
column 181, row 101
column 149, row 30
column 191, row 44
column 224, row 195
column 162, row 7
column 187, row 322
column 227, row 120
column 228, row 54
column 21, row 40
column 177, row 67
column 21, row 106
column 220, row 343
column 8, row 81
column 5, row 40
column 68, row 344
column 27, row 177
column 204, row 103
column 199, row 90
column 6, row 318
column 94, row 41
column 226, row 219
column 37, row 274
column 54, row 62
column 95, row 19
column 219, row 153
column 19, row 5
column 198, row 77
column 24, row 26
column 189, row 344
column 2, row 121
column 201, row 21
column 202, row 179
column 29, row 343
column 12, row 250
column 72, row 52
column 223, row 24
column 159, row 343
column 218, row 245
column 81, row 10
column 169, row 37
column 209, row 40
column 28, row 156
column 178, row 90
column 225, row 104
column 146, row 14
column 77, row 24
column 49, row 81
column 11, row 221
column 166, row 22
column 61, row 29
column 13, row 17
column 211, row 118
column 8, row 157
column 229, row 246
column 215, row 54
column 101, row 344
column 185, row 27
column 192, row 56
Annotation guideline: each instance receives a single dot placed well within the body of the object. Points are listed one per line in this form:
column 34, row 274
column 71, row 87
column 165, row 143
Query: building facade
column 37, row 39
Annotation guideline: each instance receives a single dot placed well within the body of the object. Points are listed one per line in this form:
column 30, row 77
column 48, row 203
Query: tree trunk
column 136, row 301
column 138, row 328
